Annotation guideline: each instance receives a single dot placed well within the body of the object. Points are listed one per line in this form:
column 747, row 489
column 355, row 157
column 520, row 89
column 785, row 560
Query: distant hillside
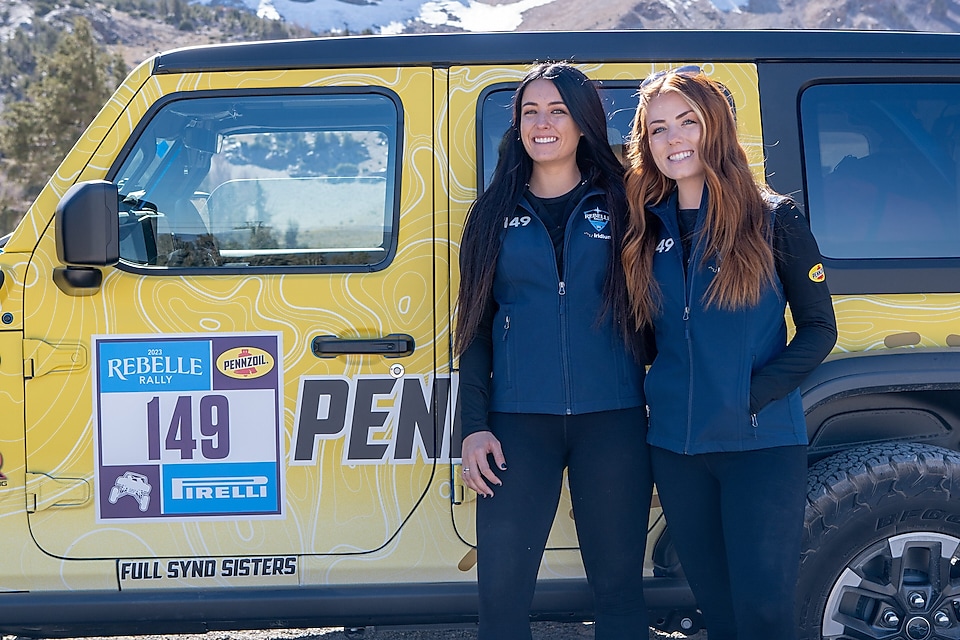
column 137, row 29
column 130, row 27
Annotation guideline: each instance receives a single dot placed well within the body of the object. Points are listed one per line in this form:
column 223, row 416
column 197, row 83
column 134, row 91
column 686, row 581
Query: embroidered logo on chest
column 598, row 218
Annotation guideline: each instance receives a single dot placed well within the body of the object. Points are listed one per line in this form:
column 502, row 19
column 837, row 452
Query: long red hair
column 738, row 227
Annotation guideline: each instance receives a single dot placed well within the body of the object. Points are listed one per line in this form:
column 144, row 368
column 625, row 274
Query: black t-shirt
column 687, row 219
column 554, row 213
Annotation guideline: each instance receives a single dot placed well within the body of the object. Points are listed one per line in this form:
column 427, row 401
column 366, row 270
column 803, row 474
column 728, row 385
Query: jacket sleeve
column 799, row 267
column 476, row 366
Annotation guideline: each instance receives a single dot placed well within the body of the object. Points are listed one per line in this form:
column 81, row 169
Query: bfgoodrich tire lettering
column 881, row 542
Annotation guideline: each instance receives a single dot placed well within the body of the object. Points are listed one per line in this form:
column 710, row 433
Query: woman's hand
column 477, row 447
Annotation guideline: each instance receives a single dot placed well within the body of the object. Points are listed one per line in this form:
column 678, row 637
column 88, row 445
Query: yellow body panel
column 876, row 322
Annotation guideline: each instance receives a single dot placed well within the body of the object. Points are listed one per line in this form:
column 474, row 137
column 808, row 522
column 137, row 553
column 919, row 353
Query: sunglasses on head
column 685, row 70
column 691, row 70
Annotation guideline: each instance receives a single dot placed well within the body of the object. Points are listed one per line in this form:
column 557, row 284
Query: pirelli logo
column 219, row 488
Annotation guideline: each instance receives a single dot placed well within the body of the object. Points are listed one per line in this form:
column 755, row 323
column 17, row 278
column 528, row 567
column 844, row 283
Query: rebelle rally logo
column 598, row 219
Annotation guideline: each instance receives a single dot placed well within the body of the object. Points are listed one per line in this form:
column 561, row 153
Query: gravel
column 541, row 631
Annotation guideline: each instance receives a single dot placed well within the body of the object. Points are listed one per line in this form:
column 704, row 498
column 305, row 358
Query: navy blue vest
column 550, row 353
column 698, row 387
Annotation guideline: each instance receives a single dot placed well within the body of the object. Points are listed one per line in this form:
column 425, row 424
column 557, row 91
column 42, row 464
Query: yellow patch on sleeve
column 817, row 274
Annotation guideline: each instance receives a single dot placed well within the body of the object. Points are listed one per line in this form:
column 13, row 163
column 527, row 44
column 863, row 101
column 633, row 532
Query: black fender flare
column 896, row 395
column 849, row 374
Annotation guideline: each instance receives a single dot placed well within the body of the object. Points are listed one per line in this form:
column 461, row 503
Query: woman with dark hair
column 550, row 375
column 712, row 257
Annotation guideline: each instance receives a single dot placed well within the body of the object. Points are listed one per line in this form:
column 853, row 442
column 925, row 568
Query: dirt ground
column 541, row 631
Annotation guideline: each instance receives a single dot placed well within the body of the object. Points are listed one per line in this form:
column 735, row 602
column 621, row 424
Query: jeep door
column 234, row 385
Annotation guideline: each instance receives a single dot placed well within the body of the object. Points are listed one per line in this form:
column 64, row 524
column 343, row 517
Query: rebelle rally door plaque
column 188, row 426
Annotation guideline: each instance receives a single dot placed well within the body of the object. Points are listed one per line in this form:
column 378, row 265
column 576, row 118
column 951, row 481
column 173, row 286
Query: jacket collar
column 666, row 209
column 591, row 191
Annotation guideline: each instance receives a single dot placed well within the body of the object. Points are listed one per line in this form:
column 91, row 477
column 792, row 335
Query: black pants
column 607, row 462
column 736, row 520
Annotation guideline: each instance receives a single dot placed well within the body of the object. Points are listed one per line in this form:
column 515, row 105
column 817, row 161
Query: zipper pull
column 753, row 423
column 506, row 326
column 563, row 288
column 686, row 313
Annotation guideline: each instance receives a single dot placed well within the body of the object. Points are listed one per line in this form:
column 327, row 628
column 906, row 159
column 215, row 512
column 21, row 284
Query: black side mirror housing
column 88, row 225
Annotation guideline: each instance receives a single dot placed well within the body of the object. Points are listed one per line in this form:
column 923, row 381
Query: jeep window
column 882, row 163
column 619, row 101
column 262, row 182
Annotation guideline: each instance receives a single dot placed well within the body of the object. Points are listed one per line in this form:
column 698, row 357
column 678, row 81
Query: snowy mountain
column 137, row 36
column 394, row 16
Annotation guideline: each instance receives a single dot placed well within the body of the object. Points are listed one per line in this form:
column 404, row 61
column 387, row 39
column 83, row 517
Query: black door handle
column 394, row 345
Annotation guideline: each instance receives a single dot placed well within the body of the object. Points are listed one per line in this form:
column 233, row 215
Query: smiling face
column 547, row 130
column 674, row 131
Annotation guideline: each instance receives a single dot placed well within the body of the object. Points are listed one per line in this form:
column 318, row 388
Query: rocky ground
column 541, row 631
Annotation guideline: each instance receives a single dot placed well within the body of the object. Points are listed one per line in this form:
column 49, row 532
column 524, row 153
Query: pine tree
column 73, row 83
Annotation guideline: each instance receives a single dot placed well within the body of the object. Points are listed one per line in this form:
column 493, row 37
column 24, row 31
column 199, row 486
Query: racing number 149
column 214, row 428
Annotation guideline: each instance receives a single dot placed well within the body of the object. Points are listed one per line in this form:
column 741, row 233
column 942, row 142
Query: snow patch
column 730, row 6
column 17, row 14
column 477, row 16
column 392, row 16
column 267, row 11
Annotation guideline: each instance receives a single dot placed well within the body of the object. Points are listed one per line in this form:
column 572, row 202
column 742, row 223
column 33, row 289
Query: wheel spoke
column 901, row 587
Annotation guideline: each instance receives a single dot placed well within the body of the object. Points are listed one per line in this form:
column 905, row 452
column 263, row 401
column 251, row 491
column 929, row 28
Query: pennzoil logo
column 817, row 274
column 245, row 363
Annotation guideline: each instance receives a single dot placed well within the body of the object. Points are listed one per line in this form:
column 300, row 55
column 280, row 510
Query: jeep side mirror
column 88, row 225
column 87, row 228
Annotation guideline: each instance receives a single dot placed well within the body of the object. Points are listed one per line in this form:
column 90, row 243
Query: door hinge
column 41, row 358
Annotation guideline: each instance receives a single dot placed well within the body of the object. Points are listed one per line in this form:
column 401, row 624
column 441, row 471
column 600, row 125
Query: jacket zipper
column 686, row 332
column 753, row 416
column 561, row 304
column 561, row 308
column 688, row 274
column 508, row 351
column 561, row 295
column 565, row 353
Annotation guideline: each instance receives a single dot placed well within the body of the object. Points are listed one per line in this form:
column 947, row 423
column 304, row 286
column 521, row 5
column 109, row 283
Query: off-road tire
column 882, row 525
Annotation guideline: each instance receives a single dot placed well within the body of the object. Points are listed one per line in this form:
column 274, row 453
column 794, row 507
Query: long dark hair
column 738, row 224
column 482, row 234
